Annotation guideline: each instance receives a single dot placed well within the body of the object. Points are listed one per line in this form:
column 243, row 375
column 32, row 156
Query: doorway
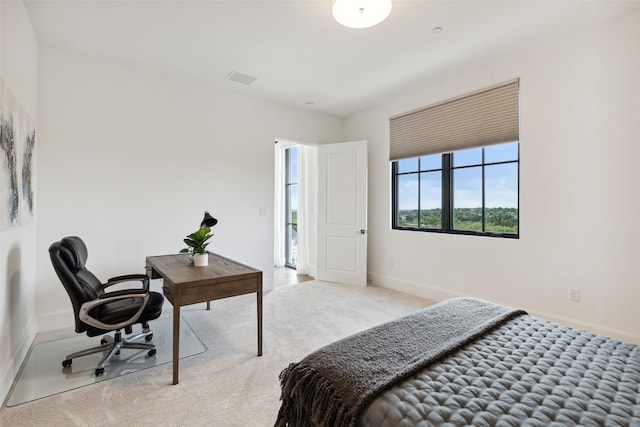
column 295, row 199
column 321, row 189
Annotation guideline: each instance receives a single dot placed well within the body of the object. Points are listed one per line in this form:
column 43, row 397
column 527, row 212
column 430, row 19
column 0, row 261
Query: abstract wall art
column 17, row 161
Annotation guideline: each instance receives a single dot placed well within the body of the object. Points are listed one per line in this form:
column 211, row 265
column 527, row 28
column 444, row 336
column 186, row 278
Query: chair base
column 112, row 346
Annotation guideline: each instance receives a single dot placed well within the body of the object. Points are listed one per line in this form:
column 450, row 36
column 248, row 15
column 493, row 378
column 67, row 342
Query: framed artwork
column 17, row 161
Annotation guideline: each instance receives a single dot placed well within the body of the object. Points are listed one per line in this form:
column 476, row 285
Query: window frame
column 447, row 203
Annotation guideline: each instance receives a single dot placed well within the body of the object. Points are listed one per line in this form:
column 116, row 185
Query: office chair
column 98, row 312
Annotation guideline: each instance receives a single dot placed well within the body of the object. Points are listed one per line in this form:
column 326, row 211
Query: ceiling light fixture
column 360, row 13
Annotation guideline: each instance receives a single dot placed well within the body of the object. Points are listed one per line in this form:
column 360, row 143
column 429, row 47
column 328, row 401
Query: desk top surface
column 179, row 268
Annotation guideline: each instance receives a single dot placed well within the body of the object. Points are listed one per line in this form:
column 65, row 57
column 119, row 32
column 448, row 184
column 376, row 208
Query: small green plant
column 197, row 242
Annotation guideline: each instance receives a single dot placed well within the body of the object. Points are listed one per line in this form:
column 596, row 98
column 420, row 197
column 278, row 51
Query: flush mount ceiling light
column 360, row 13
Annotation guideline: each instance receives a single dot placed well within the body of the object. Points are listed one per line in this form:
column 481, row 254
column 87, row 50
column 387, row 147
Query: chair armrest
column 86, row 308
column 129, row 293
column 128, row 278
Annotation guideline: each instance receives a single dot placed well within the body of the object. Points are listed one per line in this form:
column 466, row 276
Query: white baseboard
column 439, row 294
column 418, row 289
column 9, row 374
column 59, row 320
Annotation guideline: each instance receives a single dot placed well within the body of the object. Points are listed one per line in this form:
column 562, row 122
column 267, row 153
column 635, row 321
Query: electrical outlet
column 574, row 294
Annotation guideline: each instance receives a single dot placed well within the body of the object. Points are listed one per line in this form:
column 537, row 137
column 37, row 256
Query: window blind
column 482, row 118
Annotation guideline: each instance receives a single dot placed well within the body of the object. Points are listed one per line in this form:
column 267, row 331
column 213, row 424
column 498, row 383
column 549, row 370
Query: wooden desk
column 184, row 284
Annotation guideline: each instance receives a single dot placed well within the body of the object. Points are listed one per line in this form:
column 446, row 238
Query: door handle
column 361, row 232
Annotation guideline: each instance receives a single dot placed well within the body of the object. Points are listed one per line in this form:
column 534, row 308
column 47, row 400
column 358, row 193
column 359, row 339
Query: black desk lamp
column 208, row 220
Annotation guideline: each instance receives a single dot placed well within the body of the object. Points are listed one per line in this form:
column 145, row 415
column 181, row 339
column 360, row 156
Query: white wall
column 580, row 151
column 129, row 160
column 19, row 69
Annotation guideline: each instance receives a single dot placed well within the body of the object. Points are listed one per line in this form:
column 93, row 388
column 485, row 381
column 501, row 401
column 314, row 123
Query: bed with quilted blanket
column 465, row 362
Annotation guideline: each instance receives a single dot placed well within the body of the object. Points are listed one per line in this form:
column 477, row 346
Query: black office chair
column 98, row 312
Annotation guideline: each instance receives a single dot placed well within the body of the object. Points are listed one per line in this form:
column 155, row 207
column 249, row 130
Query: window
column 455, row 164
column 472, row 191
column 291, row 206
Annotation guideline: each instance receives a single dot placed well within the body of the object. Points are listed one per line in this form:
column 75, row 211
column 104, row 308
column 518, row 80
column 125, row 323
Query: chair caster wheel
column 148, row 337
column 152, row 352
column 103, row 341
column 66, row 363
column 118, row 353
column 99, row 371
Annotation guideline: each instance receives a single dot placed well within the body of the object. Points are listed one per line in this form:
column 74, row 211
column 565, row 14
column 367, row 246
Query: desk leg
column 176, row 341
column 259, row 322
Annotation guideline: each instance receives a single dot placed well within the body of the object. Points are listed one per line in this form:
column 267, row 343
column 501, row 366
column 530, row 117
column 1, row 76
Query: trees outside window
column 473, row 191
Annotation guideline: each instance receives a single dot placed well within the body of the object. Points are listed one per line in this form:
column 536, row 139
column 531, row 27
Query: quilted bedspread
column 527, row 372
column 331, row 386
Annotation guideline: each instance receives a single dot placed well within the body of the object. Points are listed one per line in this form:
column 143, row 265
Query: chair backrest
column 68, row 257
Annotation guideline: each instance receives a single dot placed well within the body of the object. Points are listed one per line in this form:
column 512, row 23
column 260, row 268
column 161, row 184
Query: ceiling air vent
column 245, row 79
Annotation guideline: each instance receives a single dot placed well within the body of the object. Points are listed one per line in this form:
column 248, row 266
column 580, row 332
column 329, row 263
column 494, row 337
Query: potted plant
column 196, row 244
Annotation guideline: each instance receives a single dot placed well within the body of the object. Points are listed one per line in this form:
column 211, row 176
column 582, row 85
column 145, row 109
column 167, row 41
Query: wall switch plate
column 574, row 294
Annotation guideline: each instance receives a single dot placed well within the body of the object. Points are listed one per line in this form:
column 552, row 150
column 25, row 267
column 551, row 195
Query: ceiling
column 299, row 54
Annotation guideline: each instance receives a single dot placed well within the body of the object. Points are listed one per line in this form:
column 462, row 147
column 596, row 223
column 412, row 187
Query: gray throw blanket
column 331, row 386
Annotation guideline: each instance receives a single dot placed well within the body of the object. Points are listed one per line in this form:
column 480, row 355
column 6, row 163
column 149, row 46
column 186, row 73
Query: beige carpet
column 228, row 385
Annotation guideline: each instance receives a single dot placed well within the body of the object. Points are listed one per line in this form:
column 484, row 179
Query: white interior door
column 342, row 212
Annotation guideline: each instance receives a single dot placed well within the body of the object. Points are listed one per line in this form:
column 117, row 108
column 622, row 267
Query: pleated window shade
column 475, row 120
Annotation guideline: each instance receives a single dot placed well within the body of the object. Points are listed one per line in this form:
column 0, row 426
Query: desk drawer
column 193, row 294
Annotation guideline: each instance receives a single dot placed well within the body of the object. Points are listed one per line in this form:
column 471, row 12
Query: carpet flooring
column 228, row 385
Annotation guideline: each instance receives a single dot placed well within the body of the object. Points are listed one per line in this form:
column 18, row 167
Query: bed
column 465, row 362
